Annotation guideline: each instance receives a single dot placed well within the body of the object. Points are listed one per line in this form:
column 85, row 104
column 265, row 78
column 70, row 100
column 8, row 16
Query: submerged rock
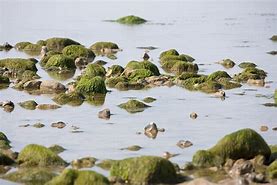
column 57, row 44
column 193, row 115
column 51, row 86
column 227, row 63
column 149, row 99
column 90, row 86
column 60, row 62
column 32, row 85
column 47, row 106
column 144, row 170
column 21, row 45
column 72, row 98
column 56, row 149
column 133, row 106
column 18, row 65
column 106, row 164
column 131, row 20
column 274, row 38
column 104, row 114
column 32, row 49
column 102, row 46
column 58, row 124
column 250, row 73
column 132, row 148
column 245, row 143
column 86, row 162
column 272, row 52
column 4, row 80
column 8, row 106
column 151, row 130
column 85, row 177
column 184, row 144
column 38, row 125
column 4, row 142
column 31, row 176
column 39, row 156
column 75, row 51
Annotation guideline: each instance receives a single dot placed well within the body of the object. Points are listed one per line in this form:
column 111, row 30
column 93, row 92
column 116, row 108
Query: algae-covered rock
column 178, row 67
column 209, row 86
column 104, row 45
column 106, row 164
column 274, row 38
column 273, row 155
column 4, row 141
column 89, row 86
column 18, row 64
column 133, row 106
column 131, row 20
column 39, row 156
column 140, row 74
column 71, row 176
column 21, row 45
column 244, row 143
column 250, row 73
column 246, row 65
column 5, row 159
column 217, row 75
column 112, row 82
column 51, row 86
column 32, row 49
column 272, row 170
column 72, row 98
column 169, row 52
column 204, row 158
column 227, row 63
column 85, row 162
column 57, row 44
column 28, row 75
column 41, row 42
column 228, row 84
column 124, row 86
column 94, row 70
column 48, row 55
column 144, row 170
column 114, row 71
column 30, row 104
column 4, row 80
column 31, row 176
column 182, row 57
column 56, row 149
column 61, row 75
column 75, row 51
column 132, row 148
column 133, row 65
column 96, row 99
column 60, row 62
column 149, row 99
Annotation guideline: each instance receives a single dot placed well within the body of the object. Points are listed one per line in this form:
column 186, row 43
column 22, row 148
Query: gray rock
column 104, row 114
column 52, row 86
column 32, row 85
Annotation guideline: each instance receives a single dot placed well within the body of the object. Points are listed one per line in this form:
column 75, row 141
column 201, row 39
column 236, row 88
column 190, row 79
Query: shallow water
column 207, row 30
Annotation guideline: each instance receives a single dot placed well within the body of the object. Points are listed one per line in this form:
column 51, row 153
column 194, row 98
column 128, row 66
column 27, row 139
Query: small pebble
column 264, row 128
column 38, row 125
column 26, row 125
column 59, row 124
column 193, row 115
column 184, row 144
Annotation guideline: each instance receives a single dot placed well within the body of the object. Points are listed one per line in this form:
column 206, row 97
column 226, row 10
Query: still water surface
column 207, row 30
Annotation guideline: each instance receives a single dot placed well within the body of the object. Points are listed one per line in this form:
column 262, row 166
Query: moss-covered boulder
column 60, row 62
column 244, row 143
column 31, row 176
column 103, row 45
column 273, row 155
column 133, row 106
column 41, row 42
column 57, row 44
column 244, row 65
column 113, row 81
column 18, row 65
column 228, row 84
column 4, row 80
column 133, row 65
column 131, row 20
column 30, row 104
column 125, row 86
column 96, row 99
column 94, row 70
column 39, row 156
column 144, row 170
column 28, row 75
column 250, row 73
column 178, row 67
column 274, row 38
column 169, row 52
column 75, row 51
column 48, row 55
column 114, row 71
column 72, row 98
column 21, row 45
column 71, row 176
column 57, row 149
column 5, row 159
column 4, row 141
column 227, row 63
column 32, row 49
column 90, row 86
column 106, row 164
column 140, row 74
column 182, row 57
column 217, row 75
column 149, row 99
column 272, row 170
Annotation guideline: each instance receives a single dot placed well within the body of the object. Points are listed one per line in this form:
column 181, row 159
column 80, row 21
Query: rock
column 96, row 99
column 101, row 46
column 131, row 20
column 84, row 177
column 205, row 158
column 56, row 149
column 169, row 52
column 161, row 129
column 193, row 115
column 4, row 80
column 90, row 86
column 184, row 144
column 94, row 70
column 48, row 106
column 139, row 74
column 81, row 62
column 4, row 142
column 28, row 76
column 60, row 62
column 227, row 63
column 18, row 65
column 146, row 56
column 51, row 86
column 106, row 164
column 135, row 65
column 144, row 170
column 219, row 94
column 86, row 162
column 43, row 51
column 151, row 130
column 259, row 178
column 250, row 73
column 114, row 71
column 132, row 148
column 6, row 46
column 218, row 75
column 149, row 99
column 39, row 156
column 21, row 45
column 71, row 98
column 32, row 85
column 32, row 49
column 100, row 62
column 30, row 176
column 178, row 67
column 75, row 51
column 272, row 170
column 147, row 47
column 133, row 106
column 125, row 86
column 258, row 82
column 241, row 167
column 264, row 128
column 273, row 155
column 104, row 114
column 247, row 65
column 38, row 125
column 57, row 44
column 274, row 38
column 272, row 52
column 7, row 105
column 58, row 124
column 201, row 181
column 168, row 155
